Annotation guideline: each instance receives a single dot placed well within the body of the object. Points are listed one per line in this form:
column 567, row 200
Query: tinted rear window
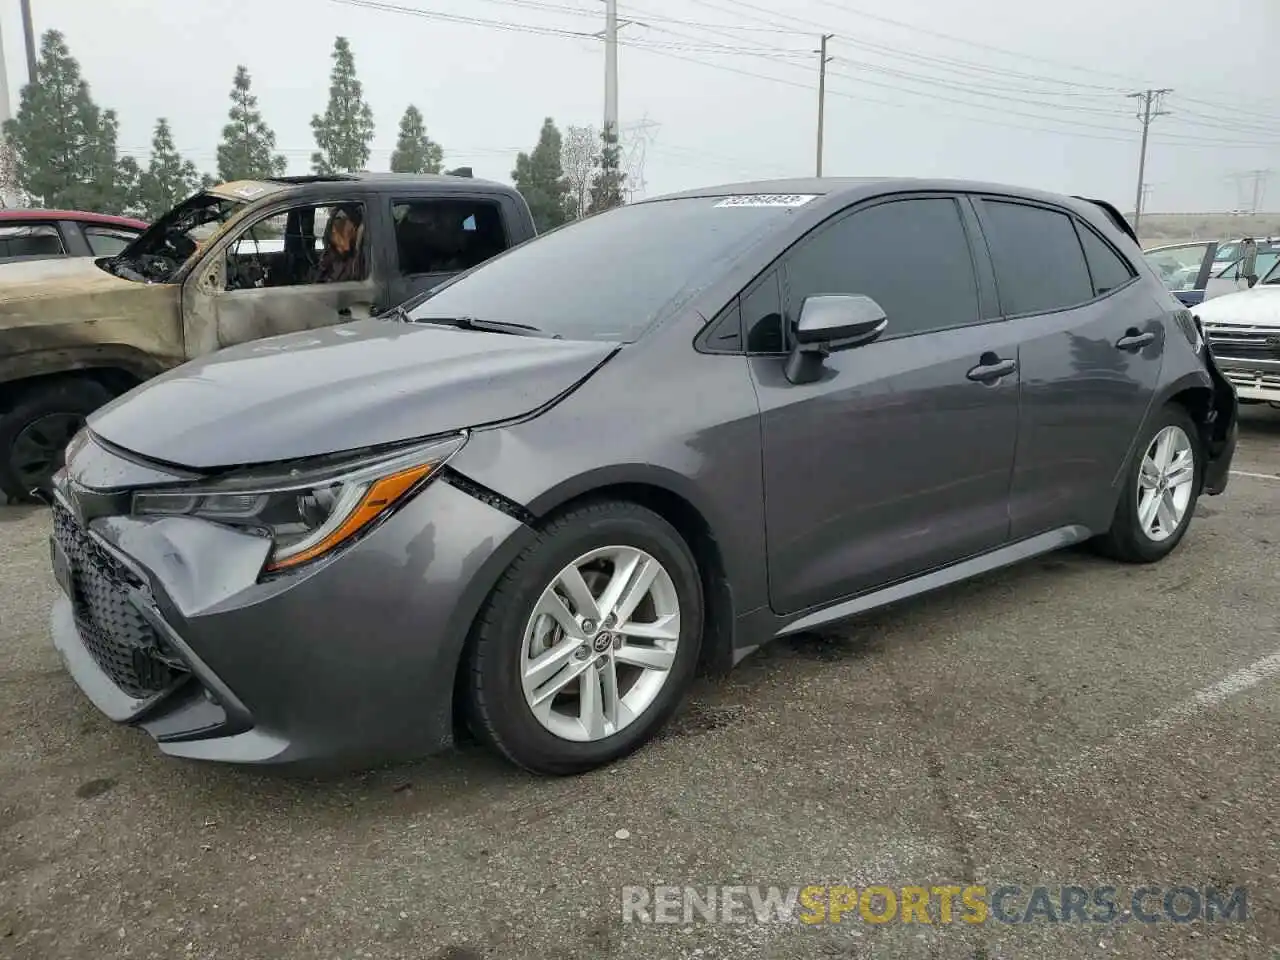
column 608, row 277
column 1038, row 260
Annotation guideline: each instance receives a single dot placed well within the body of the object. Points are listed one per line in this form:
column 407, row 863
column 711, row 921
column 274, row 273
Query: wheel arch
column 117, row 369
column 1195, row 394
column 664, row 493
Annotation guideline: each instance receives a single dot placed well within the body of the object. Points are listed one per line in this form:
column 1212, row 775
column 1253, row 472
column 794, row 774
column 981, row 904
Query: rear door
column 1090, row 351
column 898, row 459
column 436, row 236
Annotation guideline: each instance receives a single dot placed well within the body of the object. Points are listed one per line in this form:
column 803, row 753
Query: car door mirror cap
column 839, row 322
column 828, row 324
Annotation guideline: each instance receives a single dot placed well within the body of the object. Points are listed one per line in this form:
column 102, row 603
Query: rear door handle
column 1134, row 341
column 991, row 369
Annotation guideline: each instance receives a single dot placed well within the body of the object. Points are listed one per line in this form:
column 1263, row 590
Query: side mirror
column 830, row 323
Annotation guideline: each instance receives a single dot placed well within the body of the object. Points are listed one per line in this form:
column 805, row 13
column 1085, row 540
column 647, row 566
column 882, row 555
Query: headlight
column 310, row 510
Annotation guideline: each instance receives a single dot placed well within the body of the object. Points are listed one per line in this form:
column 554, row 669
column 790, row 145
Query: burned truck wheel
column 35, row 427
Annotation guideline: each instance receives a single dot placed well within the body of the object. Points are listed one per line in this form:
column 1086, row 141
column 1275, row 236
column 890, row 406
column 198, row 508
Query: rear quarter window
column 1107, row 268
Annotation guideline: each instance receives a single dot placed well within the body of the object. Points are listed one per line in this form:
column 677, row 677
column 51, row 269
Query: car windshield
column 1266, row 261
column 1269, row 274
column 159, row 253
column 610, row 276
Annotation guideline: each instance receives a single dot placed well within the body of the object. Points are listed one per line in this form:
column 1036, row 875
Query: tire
column 500, row 710
column 1129, row 540
column 44, row 416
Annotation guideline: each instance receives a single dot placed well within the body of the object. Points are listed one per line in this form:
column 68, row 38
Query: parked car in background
column 234, row 263
column 1195, row 272
column 44, row 234
column 1243, row 330
column 662, row 435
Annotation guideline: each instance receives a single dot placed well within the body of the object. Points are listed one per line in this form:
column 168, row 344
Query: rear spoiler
column 1115, row 216
column 458, row 172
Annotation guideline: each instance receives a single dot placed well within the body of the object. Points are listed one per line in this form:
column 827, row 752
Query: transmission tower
column 635, row 139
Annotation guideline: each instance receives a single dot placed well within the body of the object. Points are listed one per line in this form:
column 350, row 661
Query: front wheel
column 1160, row 492
column 36, row 429
column 589, row 642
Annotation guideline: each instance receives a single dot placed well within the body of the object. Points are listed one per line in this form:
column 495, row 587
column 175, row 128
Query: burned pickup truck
column 237, row 262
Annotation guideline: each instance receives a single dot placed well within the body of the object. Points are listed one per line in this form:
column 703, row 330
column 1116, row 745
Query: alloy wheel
column 1165, row 479
column 600, row 643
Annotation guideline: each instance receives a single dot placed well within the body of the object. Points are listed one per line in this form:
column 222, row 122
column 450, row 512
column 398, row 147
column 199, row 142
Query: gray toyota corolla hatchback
column 538, row 499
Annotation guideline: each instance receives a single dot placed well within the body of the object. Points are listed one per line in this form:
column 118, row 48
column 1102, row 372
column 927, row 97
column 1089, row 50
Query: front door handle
column 1134, row 341
column 991, row 368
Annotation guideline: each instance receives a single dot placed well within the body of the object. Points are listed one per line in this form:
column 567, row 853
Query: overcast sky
column 1004, row 90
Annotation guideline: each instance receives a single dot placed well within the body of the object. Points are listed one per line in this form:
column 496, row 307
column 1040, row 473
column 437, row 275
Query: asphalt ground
column 1070, row 722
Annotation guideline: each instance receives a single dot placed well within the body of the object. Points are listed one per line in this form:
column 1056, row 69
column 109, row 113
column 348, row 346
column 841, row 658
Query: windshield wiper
column 397, row 313
column 489, row 326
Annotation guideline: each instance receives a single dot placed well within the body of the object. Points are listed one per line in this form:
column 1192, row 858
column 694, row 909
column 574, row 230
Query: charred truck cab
column 237, row 262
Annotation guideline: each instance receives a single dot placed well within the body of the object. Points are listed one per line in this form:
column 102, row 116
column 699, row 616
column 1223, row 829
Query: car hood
column 1257, row 307
column 340, row 388
column 56, row 277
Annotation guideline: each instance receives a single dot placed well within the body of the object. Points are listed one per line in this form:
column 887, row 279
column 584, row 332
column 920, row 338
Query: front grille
column 1244, row 342
column 115, row 633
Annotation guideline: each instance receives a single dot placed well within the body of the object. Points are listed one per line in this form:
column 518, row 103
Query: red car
column 40, row 234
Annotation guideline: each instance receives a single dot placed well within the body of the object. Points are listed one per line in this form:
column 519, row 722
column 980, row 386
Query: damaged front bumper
column 166, row 625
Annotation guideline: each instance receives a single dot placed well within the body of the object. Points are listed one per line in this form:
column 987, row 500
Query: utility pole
column 611, row 66
column 29, row 32
column 1150, row 110
column 823, row 60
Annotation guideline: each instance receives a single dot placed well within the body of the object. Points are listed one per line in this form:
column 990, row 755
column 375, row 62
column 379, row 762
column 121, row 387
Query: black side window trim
column 978, row 201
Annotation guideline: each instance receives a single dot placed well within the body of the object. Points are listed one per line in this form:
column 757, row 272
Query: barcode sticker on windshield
column 769, row 200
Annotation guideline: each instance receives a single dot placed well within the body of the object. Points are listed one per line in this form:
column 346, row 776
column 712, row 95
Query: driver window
column 300, row 246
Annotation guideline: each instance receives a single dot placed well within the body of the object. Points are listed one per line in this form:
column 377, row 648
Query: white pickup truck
column 1243, row 330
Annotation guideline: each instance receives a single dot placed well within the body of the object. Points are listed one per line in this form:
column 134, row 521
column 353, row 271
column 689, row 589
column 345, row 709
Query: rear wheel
column 1160, row 492
column 589, row 642
column 35, row 430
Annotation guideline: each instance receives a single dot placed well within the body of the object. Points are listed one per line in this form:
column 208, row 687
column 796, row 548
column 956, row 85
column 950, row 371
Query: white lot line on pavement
column 1255, row 476
column 1198, row 703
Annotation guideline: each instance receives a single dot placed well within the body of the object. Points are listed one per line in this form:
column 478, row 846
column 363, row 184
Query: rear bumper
column 348, row 664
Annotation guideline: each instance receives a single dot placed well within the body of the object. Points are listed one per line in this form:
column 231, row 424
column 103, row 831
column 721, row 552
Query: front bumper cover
column 351, row 660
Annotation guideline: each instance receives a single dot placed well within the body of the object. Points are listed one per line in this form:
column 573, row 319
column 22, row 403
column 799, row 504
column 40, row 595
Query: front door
column 898, row 459
column 1091, row 349
column 295, row 269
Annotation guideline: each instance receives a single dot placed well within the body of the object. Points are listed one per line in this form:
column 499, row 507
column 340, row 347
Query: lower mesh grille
column 118, row 637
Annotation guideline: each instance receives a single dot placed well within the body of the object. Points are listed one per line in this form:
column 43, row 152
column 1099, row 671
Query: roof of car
column 105, row 219
column 318, row 183
column 848, row 188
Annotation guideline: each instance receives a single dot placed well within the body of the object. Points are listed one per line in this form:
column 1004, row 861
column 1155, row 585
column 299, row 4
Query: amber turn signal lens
column 380, row 497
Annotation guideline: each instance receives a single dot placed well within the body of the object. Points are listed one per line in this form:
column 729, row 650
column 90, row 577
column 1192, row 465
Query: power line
column 658, row 48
